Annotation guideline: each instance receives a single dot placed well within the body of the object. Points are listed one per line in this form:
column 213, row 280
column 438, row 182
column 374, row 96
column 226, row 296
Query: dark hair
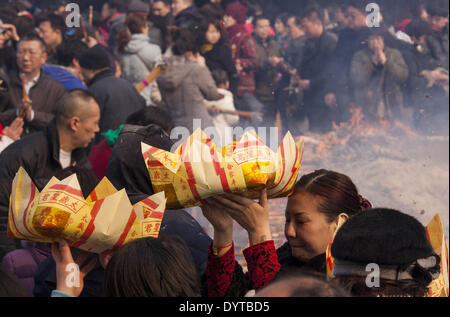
column 183, row 41
column 133, row 25
column 152, row 267
column 10, row 285
column 152, row 115
column 418, row 28
column 220, row 76
column 119, row 5
column 212, row 11
column 166, row 2
column 297, row 20
column 86, row 178
column 258, row 18
column 308, row 283
column 437, row 8
column 24, row 25
column 56, row 22
column 357, row 286
column 312, row 13
column 33, row 37
column 339, row 194
column 68, row 106
column 203, row 28
column 70, row 49
column 283, row 17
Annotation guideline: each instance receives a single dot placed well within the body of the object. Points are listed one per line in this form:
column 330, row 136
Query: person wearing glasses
column 31, row 83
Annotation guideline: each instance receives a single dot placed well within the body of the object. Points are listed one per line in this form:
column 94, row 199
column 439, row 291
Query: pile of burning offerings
column 390, row 163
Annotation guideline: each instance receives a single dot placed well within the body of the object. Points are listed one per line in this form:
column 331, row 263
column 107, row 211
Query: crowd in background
column 76, row 97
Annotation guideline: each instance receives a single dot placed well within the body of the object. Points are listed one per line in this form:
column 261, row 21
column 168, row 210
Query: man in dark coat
column 116, row 97
column 186, row 13
column 350, row 40
column 438, row 39
column 45, row 153
column 266, row 75
column 319, row 49
column 43, row 91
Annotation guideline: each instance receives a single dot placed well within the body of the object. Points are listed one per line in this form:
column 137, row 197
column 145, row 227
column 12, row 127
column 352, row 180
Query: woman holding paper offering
column 322, row 201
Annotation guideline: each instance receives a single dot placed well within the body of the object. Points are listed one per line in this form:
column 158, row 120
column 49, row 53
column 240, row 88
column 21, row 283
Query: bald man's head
column 77, row 118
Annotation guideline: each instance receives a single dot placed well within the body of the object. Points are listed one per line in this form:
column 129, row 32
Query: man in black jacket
column 185, row 12
column 117, row 97
column 44, row 153
column 320, row 47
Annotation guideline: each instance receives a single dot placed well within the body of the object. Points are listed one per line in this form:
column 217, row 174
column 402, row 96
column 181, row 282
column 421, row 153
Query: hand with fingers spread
column 69, row 276
column 252, row 216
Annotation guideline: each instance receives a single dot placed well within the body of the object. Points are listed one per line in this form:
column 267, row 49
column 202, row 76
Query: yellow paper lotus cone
column 102, row 222
column 198, row 169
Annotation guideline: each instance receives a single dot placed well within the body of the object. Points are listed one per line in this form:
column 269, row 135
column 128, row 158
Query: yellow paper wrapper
column 198, row 169
column 102, row 222
column 435, row 233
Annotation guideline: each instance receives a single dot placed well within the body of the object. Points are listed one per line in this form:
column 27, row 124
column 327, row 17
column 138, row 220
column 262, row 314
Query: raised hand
column 69, row 276
column 251, row 215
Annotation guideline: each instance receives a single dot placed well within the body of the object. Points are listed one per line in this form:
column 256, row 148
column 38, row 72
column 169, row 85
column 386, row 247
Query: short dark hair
column 152, row 115
column 437, row 8
column 183, row 41
column 339, row 194
column 68, row 106
column 418, row 28
column 258, row 18
column 283, row 17
column 70, row 49
column 220, row 76
column 56, row 22
column 166, row 2
column 155, row 267
column 308, row 283
column 33, row 37
column 312, row 13
column 24, row 25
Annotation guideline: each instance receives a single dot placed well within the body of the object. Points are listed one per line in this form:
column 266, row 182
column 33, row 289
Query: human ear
column 74, row 124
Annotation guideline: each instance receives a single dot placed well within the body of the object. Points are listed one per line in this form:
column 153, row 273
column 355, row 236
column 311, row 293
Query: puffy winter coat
column 184, row 88
column 138, row 60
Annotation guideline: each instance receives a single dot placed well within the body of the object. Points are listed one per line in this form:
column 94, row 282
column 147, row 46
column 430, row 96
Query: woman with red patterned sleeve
column 322, row 201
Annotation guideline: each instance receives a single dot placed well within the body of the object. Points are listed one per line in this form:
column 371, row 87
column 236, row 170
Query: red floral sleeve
column 262, row 263
column 219, row 272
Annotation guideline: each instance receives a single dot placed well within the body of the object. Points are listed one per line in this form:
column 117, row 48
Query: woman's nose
column 290, row 230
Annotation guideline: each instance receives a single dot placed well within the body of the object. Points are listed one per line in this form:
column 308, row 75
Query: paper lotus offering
column 198, row 169
column 102, row 222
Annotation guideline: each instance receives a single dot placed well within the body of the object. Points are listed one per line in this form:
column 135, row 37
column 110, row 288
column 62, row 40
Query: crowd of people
column 81, row 99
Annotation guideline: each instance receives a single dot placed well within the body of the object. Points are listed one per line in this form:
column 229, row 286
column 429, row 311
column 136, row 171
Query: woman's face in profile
column 307, row 230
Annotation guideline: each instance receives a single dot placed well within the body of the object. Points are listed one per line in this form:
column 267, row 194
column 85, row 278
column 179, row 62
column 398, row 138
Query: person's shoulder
column 25, row 145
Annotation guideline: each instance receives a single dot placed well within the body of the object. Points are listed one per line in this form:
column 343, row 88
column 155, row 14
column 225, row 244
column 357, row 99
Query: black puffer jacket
column 38, row 154
column 126, row 166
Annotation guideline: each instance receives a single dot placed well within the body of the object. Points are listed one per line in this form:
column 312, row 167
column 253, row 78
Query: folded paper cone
column 102, row 222
column 435, row 234
column 198, row 169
